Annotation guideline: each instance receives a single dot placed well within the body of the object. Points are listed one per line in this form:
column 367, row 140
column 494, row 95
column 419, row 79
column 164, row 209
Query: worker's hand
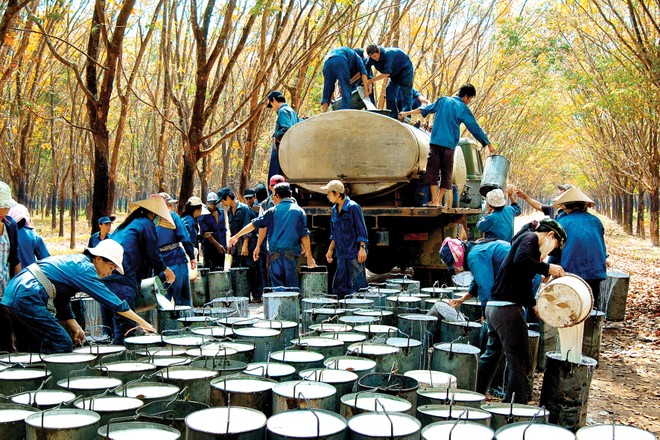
column 244, row 251
column 311, row 263
column 232, row 241
column 556, row 270
column 362, row 255
column 328, row 256
column 77, row 333
column 402, row 115
column 455, row 303
column 193, row 264
column 169, row 275
column 367, row 89
column 536, row 311
column 208, row 234
column 491, row 149
column 255, row 254
column 148, row 328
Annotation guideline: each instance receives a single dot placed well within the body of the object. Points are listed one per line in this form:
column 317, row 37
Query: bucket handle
column 378, row 402
column 451, row 431
column 541, row 410
column 116, row 420
column 309, row 406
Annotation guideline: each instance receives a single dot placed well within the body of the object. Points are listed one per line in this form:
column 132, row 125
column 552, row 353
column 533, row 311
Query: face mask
column 548, row 246
column 156, row 221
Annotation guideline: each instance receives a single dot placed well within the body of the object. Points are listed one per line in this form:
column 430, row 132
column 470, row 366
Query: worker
column 348, row 241
column 511, row 293
column 263, row 245
column 343, row 65
column 287, row 233
column 39, row 296
column 105, row 225
column 450, row 113
column 10, row 263
column 395, row 66
column 31, row 246
column 547, row 210
column 286, row 118
column 192, row 210
column 213, row 232
column 497, row 224
column 418, row 100
column 254, row 269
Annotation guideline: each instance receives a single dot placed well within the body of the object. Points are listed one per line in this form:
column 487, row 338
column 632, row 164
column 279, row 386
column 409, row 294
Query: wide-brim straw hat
column 157, row 206
column 572, row 195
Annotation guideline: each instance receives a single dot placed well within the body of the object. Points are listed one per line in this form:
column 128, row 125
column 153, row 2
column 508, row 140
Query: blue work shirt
column 180, row 234
column 484, row 260
column 348, row 229
column 354, row 62
column 207, row 223
column 31, row 246
column 286, row 118
column 237, row 221
column 95, row 239
column 141, row 252
column 416, row 103
column 69, row 274
column 394, row 62
column 450, row 113
column 584, row 253
column 499, row 224
column 286, row 224
column 192, row 227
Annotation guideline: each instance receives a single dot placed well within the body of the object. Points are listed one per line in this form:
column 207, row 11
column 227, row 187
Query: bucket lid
column 350, row 363
column 223, row 420
column 214, row 331
column 63, row 419
column 305, row 423
column 431, row 377
column 138, row 431
column 380, row 425
column 609, row 432
column 243, row 384
column 309, row 389
column 269, row 369
column 328, row 375
column 295, row 356
column 466, row 430
column 366, row 401
column 514, row 431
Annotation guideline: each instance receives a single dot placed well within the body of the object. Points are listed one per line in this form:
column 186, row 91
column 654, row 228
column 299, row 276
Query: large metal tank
column 371, row 152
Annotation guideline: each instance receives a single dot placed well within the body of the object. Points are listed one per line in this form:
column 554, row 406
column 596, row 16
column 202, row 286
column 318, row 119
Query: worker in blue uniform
column 238, row 215
column 254, row 269
column 105, row 225
column 287, row 234
column 418, row 100
column 286, row 118
column 348, row 241
column 450, row 113
column 345, row 66
column 39, row 296
column 31, row 246
column 192, row 210
column 137, row 235
column 213, row 233
column 498, row 223
column 174, row 245
column 395, row 65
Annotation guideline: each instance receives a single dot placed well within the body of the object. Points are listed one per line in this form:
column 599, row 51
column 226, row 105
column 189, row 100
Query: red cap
column 275, row 179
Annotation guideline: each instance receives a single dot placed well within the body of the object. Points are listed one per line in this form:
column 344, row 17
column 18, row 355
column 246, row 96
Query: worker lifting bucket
column 494, row 175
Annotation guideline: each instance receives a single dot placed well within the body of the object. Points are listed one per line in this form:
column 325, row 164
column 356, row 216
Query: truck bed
column 374, row 211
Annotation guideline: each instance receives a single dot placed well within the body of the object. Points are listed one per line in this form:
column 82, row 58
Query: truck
column 381, row 162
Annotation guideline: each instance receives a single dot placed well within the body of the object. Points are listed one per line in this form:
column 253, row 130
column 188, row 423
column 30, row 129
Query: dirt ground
column 626, row 386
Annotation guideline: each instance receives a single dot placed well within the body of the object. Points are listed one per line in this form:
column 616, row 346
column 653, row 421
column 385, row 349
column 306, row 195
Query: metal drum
column 110, row 406
column 300, row 394
column 460, row 360
column 288, row 329
column 168, row 319
column 325, row 327
column 317, row 302
column 169, row 412
column 613, row 432
column 44, row 399
column 272, row 370
column 326, row 346
column 245, row 349
column 92, row 312
column 138, row 431
column 404, row 285
column 12, row 416
column 299, row 359
column 219, row 285
column 197, row 380
column 62, row 364
column 318, row 315
column 520, row 430
column 445, row 396
column 465, row 331
column 386, row 356
column 376, row 296
column 472, row 310
column 418, row 326
column 89, row 385
column 243, row 390
column 384, row 317
column 62, row 424
column 494, row 174
column 281, row 305
column 239, row 281
column 236, row 423
column 506, row 413
column 345, row 337
column 410, row 355
column 379, row 426
column 356, row 303
column 373, row 330
column 238, row 305
column 437, row 292
column 199, row 287
column 344, row 381
column 266, row 340
column 359, row 365
column 428, row 414
column 148, row 391
column 17, row 379
column 307, row 424
column 126, row 371
column 365, row 401
column 313, row 281
column 457, row 430
column 393, row 384
column 432, row 379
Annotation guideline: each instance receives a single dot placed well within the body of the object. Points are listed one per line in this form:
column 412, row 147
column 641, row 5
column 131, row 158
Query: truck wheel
column 380, row 262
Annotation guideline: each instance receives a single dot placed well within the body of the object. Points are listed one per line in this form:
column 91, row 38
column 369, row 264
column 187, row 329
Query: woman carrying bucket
column 512, row 291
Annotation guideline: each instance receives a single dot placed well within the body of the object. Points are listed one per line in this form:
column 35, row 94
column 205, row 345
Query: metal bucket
column 386, row 356
column 299, row 359
column 219, row 285
column 168, row 319
column 239, row 281
column 238, row 306
column 222, row 365
column 410, row 355
column 245, row 349
column 326, row 346
column 343, row 381
column 306, row 424
column 358, row 320
column 313, row 281
column 494, row 174
column 21, row 358
column 365, row 401
column 148, row 391
column 245, row 391
column 431, row 378
column 17, row 379
column 325, row 327
column 281, row 305
column 288, row 329
column 460, row 360
column 356, row 303
column 44, row 399
column 89, row 385
column 382, row 426
column 520, row 430
column 196, row 379
column 373, row 330
column 317, row 302
column 445, row 396
column 428, row 414
column 142, row 342
column 277, row 371
column 384, row 317
column 62, row 364
column 506, row 413
column 302, row 394
column 126, row 371
column 464, row 331
column 418, row 326
column 404, row 285
column 346, row 337
column 12, row 416
column 101, row 351
column 213, row 331
column 318, row 315
column 266, row 340
column 613, row 432
column 199, row 287
column 377, row 297
column 110, row 406
column 438, row 292
column 138, row 431
column 234, row 423
column 170, row 412
column 404, row 303
column 62, row 424
column 359, row 365
column 213, row 310
column 393, row 384
column 453, row 429
column 564, row 301
column 593, row 333
column 145, row 298
column 472, row 309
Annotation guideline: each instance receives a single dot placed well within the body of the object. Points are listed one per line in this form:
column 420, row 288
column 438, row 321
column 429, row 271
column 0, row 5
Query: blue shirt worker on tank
column 286, row 118
column 498, row 223
column 348, row 241
column 395, row 65
column 343, row 65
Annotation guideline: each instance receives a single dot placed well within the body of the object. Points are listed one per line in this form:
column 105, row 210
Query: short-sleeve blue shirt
column 500, row 224
column 287, row 225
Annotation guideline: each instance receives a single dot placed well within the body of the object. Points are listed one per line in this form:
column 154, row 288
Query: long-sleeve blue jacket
column 207, row 223
column 394, row 62
column 286, row 224
column 286, row 118
column 499, row 224
column 450, row 113
column 584, row 253
column 348, row 229
column 192, row 227
column 484, row 260
column 353, row 60
column 177, row 235
column 95, row 239
column 31, row 246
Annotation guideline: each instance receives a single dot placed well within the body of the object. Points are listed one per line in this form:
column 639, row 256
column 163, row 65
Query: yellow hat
column 572, row 195
column 157, row 206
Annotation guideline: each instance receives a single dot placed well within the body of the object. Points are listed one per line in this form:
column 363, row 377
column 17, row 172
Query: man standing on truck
column 343, row 65
column 348, row 240
column 286, row 118
column 451, row 112
column 395, row 65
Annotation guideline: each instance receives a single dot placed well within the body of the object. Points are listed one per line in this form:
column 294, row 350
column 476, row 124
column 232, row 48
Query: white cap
column 110, row 250
column 495, row 198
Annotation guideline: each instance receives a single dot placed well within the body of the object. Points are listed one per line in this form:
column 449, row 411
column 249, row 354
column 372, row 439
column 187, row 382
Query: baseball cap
column 195, row 201
column 106, row 219
column 274, row 95
column 248, row 193
column 275, row 179
column 224, row 192
column 212, row 198
column 334, row 185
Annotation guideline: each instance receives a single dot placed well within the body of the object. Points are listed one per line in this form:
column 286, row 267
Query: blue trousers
column 180, row 288
column 349, row 277
column 274, row 165
column 283, row 270
column 117, row 323
column 335, row 69
column 405, row 83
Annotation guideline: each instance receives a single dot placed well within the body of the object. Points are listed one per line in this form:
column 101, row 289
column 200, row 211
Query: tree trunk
column 641, row 232
column 628, row 213
column 654, row 210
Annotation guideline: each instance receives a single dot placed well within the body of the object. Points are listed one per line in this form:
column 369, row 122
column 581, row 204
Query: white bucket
column 565, row 301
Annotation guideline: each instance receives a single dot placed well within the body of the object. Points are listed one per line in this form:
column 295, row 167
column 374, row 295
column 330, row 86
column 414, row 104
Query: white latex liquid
column 570, row 342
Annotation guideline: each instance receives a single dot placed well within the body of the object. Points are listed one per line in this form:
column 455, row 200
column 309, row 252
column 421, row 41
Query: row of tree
column 104, row 100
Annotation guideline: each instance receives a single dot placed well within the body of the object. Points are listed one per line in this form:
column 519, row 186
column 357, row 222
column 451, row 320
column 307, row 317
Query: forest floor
column 626, row 385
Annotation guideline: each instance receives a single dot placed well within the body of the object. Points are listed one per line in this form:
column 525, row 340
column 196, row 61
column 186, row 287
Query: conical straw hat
column 157, row 206
column 572, row 195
